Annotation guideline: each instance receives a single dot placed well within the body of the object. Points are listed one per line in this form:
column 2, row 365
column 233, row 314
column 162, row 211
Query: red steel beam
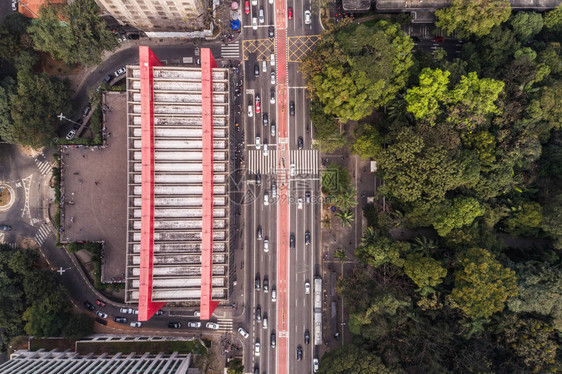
column 147, row 308
column 207, row 305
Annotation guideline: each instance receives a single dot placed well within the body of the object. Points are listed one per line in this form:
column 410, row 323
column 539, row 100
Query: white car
column 266, row 198
column 261, row 15
column 15, row 5
column 264, row 66
column 307, row 17
column 71, row 134
column 292, row 170
column 258, row 142
column 101, row 314
column 307, row 288
column 212, row 325
column 195, row 325
column 265, row 150
column 197, row 314
column 250, row 110
column 266, row 245
column 257, row 349
column 254, row 23
column 120, row 72
column 315, row 364
column 254, row 2
column 272, row 59
column 126, row 310
column 243, row 332
column 273, row 77
column 265, row 322
column 273, row 295
column 299, row 203
column 136, row 324
column 271, row 1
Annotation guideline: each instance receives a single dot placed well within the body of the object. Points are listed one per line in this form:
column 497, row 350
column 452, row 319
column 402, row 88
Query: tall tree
column 553, row 19
column 351, row 359
column 368, row 141
column 462, row 212
column 552, row 222
column 426, row 272
column 526, row 25
column 472, row 17
column 482, row 285
column 424, row 101
column 73, row 33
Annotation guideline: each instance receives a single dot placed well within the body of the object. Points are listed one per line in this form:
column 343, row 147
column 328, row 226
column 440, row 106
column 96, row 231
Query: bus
column 318, row 311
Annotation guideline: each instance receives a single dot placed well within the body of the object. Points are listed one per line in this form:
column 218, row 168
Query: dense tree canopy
column 526, row 25
column 73, row 33
column 483, row 284
column 472, row 17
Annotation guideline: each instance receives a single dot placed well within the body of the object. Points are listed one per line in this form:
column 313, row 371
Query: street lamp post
column 61, row 117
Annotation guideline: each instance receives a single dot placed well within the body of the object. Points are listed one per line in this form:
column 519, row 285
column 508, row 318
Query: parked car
column 159, row 313
column 101, row 321
column 315, row 364
column 89, row 306
column 120, row 72
column 174, row 325
column 136, row 324
column 120, row 319
column 108, row 78
column 70, row 134
column 14, row 5
column 243, row 333
column 212, row 325
column 101, row 314
column 126, row 310
column 87, row 110
column 197, row 314
column 5, row 228
column 307, row 17
column 258, row 283
column 194, row 325
column 101, row 303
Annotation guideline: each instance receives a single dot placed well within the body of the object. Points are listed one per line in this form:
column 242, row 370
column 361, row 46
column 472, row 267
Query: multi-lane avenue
column 282, row 217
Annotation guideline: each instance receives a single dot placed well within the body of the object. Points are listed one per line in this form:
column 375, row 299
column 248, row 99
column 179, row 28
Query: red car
column 100, row 303
column 247, row 7
column 290, row 13
column 258, row 108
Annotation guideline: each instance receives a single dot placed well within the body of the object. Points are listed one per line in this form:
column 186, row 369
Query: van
column 272, row 59
column 264, row 66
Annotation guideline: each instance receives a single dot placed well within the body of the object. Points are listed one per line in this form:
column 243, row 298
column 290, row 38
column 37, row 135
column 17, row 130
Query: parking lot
column 94, row 190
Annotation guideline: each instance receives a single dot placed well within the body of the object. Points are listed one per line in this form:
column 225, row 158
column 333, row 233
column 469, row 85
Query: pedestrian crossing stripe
column 305, row 161
column 231, row 50
column 44, row 166
column 42, row 234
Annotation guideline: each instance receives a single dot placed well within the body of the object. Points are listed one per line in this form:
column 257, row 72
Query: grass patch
column 48, row 344
column 98, row 348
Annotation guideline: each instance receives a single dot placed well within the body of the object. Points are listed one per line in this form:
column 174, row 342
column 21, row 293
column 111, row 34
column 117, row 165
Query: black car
column 306, row 337
column 159, row 313
column 89, row 306
column 272, row 341
column 292, row 108
column 258, row 283
column 133, row 36
column 307, row 238
column 259, row 232
column 299, row 142
column 256, row 370
column 299, row 353
column 120, row 319
column 265, row 284
column 108, row 78
column 101, row 321
column 265, row 119
column 5, row 228
column 292, row 241
column 271, row 32
column 174, row 325
column 307, row 197
column 256, row 70
column 258, row 179
column 258, row 314
column 87, row 110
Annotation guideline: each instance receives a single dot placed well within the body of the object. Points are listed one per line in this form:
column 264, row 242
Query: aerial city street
column 280, row 186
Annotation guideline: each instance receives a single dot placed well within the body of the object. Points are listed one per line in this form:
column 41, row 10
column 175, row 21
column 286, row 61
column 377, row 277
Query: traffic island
column 7, row 197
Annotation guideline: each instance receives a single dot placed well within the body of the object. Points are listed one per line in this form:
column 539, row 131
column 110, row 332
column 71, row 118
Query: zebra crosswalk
column 42, row 234
column 3, row 241
column 44, row 166
column 225, row 324
column 306, row 162
column 230, row 50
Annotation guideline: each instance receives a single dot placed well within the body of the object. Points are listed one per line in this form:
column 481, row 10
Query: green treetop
column 472, row 17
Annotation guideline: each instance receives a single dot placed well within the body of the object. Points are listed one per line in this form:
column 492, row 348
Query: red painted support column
column 207, row 305
column 147, row 308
